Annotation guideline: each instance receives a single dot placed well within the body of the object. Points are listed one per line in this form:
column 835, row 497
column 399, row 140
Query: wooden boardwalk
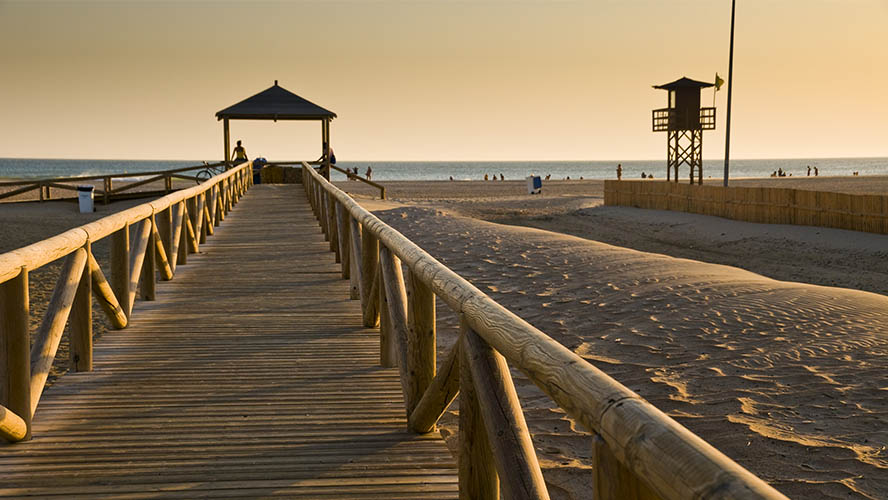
column 250, row 376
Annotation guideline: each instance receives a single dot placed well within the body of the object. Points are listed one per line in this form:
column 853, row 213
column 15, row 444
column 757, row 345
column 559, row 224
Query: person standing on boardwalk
column 239, row 153
column 619, row 171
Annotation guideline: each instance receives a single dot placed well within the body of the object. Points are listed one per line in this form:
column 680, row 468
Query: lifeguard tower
column 684, row 121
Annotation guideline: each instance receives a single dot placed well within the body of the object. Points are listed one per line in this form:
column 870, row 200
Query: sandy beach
column 785, row 377
column 770, row 342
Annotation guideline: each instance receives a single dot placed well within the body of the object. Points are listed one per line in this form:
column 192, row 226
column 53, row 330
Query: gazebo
column 277, row 103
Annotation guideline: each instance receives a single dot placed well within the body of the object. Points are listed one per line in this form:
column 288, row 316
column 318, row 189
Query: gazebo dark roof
column 684, row 83
column 275, row 103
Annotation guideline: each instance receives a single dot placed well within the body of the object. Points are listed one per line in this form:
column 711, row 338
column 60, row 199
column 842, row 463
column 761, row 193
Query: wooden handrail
column 26, row 372
column 352, row 175
column 161, row 173
column 651, row 445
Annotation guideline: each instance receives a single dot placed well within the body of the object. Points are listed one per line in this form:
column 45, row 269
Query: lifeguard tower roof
column 684, row 83
column 275, row 103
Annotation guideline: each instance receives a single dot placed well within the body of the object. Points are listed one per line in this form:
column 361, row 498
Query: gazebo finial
column 275, row 83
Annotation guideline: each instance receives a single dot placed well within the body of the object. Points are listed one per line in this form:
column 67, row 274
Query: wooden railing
column 639, row 451
column 769, row 205
column 108, row 191
column 356, row 177
column 163, row 232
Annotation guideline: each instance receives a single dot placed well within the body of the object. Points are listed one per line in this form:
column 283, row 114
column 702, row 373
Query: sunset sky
column 439, row 80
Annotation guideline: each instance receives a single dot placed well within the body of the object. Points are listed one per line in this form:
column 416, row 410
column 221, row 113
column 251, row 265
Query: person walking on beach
column 619, row 171
column 809, row 170
column 816, row 172
column 369, row 173
column 239, row 153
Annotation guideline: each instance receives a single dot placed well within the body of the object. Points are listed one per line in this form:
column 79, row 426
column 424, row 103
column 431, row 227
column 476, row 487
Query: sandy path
column 787, row 379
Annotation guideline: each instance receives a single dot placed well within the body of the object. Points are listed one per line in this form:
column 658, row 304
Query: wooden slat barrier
column 155, row 241
column 108, row 192
column 641, row 452
column 862, row 212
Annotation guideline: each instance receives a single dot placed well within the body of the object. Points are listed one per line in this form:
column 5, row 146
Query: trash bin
column 534, row 184
column 85, row 198
column 258, row 163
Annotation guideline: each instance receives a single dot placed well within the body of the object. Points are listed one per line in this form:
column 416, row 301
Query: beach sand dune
column 788, row 379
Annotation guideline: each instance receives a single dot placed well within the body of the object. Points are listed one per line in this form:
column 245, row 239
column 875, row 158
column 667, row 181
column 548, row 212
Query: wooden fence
column 146, row 240
column 108, row 192
column 857, row 212
column 640, row 453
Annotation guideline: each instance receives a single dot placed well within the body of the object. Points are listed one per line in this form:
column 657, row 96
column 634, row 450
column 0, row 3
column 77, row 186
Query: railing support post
column 355, row 274
column 149, row 274
column 333, row 224
column 421, row 337
column 369, row 281
column 344, row 232
column 477, row 474
column 120, row 272
column 15, row 348
column 80, row 323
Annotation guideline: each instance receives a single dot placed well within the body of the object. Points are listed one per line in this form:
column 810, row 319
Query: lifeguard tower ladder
column 685, row 121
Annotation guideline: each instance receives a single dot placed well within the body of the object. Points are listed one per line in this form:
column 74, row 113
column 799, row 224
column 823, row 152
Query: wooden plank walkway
column 250, row 376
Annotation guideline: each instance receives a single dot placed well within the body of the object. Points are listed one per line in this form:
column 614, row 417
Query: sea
column 34, row 168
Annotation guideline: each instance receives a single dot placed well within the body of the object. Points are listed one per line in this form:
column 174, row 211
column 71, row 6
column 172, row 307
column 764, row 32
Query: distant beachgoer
column 502, row 177
column 809, row 170
column 486, row 178
column 650, row 176
column 774, row 174
column 369, row 173
column 816, row 172
column 239, row 153
column 451, row 178
column 619, row 171
column 548, row 176
column 643, row 175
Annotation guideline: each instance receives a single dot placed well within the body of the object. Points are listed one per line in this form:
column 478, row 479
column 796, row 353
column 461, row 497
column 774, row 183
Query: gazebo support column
column 226, row 143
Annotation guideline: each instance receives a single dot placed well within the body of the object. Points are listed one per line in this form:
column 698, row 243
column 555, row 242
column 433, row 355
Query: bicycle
column 209, row 171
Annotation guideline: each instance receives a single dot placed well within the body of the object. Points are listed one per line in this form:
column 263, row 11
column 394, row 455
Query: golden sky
column 439, row 80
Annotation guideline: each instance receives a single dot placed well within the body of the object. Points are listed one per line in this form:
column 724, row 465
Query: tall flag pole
column 730, row 81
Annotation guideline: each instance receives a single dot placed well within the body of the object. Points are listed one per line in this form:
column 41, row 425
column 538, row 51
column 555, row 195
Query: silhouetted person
column 816, row 172
column 502, row 177
column 643, row 175
column 369, row 172
column 650, row 176
column 239, row 153
column 619, row 171
column 809, row 170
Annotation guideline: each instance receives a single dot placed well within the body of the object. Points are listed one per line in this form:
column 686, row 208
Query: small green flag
column 718, row 82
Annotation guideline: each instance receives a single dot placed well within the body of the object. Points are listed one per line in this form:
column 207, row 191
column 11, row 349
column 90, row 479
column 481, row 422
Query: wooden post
column 15, row 346
column 396, row 311
column 477, row 473
column 226, row 143
column 80, row 336
column 421, row 339
column 137, row 260
column 369, row 260
column 344, row 232
column 613, row 481
column 120, row 272
column 514, row 455
column 387, row 354
column 333, row 223
column 164, row 224
column 148, row 281
column 355, row 275
column 177, row 248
